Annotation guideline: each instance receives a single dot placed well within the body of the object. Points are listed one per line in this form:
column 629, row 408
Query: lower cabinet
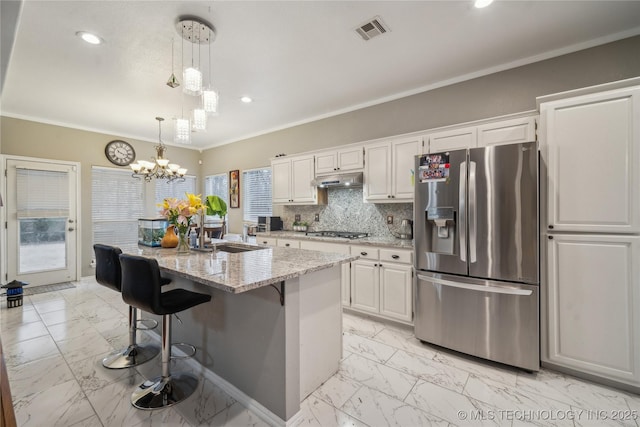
column 381, row 282
column 593, row 305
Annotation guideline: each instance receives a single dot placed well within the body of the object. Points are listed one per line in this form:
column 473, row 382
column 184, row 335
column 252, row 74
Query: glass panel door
column 41, row 228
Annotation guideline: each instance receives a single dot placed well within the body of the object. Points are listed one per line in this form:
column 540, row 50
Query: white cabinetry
column 288, row 243
column 591, row 147
column 456, row 139
column 337, row 248
column 507, row 132
column 266, row 241
column 388, row 170
column 511, row 131
column 343, row 160
column 590, row 204
column 594, row 305
column 381, row 282
column 291, row 181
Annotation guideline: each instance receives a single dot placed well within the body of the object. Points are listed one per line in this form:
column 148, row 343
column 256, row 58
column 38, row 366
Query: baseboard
column 247, row 401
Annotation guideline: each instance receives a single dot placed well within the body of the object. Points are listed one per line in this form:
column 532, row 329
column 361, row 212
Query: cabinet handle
column 388, row 196
column 338, row 168
column 393, row 197
column 375, row 265
column 264, row 243
column 363, row 253
column 550, row 237
column 395, row 256
column 551, row 227
column 287, row 244
column 335, row 169
column 379, row 265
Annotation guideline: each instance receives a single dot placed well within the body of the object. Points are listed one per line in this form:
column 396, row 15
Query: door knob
column 71, row 229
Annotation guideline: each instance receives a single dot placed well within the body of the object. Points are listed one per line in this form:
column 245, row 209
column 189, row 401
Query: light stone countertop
column 365, row 241
column 240, row 272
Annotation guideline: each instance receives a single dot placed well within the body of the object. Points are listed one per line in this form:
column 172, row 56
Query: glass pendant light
column 182, row 131
column 199, row 120
column 192, row 76
column 209, row 95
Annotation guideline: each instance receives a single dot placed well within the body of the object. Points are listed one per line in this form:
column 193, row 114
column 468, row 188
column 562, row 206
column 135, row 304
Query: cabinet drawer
column 365, row 252
column 394, row 255
column 289, row 243
column 268, row 241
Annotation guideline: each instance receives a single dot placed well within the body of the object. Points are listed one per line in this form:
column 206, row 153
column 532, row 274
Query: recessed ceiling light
column 246, row 99
column 482, row 3
column 88, row 37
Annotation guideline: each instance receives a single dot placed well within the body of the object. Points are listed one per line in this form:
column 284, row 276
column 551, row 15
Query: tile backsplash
column 346, row 211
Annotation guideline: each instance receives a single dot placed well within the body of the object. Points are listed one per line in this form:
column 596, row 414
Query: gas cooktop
column 343, row 234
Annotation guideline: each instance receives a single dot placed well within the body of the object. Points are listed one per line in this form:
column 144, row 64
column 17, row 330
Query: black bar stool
column 109, row 274
column 141, row 287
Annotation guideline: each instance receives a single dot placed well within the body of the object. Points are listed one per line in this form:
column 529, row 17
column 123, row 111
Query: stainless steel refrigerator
column 477, row 252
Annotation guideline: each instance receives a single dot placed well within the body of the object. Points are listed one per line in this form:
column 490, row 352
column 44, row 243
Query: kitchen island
column 272, row 332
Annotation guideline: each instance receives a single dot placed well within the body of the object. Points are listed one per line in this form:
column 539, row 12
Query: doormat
column 47, row 288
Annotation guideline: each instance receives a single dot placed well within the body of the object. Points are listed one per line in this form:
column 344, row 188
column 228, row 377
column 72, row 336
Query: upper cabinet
column 343, row 160
column 291, row 181
column 500, row 132
column 388, row 174
column 590, row 146
column 456, row 139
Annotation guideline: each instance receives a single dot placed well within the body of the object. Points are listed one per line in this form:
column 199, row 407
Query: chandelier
column 159, row 168
column 196, row 32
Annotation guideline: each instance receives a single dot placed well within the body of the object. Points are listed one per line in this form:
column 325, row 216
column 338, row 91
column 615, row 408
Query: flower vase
column 170, row 239
column 183, row 243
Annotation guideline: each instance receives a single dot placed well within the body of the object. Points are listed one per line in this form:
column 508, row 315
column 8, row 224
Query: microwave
column 269, row 223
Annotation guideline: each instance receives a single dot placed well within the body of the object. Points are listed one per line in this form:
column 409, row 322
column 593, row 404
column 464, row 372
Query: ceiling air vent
column 371, row 29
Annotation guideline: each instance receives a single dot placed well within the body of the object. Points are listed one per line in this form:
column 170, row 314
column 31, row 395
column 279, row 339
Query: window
column 117, row 203
column 217, row 185
column 256, row 193
column 176, row 189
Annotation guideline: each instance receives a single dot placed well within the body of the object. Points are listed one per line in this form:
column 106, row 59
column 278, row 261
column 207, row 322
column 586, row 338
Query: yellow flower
column 194, row 201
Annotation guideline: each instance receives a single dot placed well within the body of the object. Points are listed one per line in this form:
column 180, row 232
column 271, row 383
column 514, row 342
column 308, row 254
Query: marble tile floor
column 54, row 344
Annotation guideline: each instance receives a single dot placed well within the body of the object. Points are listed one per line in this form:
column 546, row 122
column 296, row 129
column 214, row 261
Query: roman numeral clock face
column 120, row 153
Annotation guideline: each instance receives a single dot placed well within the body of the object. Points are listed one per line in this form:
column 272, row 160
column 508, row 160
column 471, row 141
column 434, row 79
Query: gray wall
column 510, row 91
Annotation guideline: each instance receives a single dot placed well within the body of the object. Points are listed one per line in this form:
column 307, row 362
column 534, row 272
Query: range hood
column 342, row 180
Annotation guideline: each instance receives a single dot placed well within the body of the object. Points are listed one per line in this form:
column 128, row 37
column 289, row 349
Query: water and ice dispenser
column 441, row 227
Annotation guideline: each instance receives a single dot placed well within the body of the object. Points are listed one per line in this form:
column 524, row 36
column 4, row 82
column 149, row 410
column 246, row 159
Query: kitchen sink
column 229, row 248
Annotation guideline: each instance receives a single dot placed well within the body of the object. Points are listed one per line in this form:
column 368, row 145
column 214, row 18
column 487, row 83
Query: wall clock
column 120, row 153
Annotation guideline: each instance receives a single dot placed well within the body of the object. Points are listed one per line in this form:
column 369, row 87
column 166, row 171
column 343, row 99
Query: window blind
column 256, row 193
column 117, row 204
column 175, row 189
column 42, row 194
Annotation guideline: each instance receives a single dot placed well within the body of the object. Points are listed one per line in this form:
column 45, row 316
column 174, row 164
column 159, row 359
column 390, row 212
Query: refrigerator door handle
column 473, row 213
column 462, row 217
column 480, row 288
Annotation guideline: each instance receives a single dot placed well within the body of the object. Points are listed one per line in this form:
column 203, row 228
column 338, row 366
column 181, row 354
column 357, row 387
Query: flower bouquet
column 179, row 213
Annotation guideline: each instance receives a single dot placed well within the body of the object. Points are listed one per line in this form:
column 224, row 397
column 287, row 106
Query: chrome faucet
column 201, row 236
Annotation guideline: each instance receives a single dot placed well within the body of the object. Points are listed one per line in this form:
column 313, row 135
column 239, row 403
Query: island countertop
column 240, row 272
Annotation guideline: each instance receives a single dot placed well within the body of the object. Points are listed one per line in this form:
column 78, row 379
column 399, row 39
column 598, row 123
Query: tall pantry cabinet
column 590, row 221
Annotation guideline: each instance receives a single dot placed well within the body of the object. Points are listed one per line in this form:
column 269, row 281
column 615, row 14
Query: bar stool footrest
column 187, row 354
column 162, row 392
column 133, row 355
column 145, row 327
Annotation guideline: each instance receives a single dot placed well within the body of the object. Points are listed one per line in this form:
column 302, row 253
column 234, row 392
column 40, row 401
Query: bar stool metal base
column 133, row 355
column 162, row 392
